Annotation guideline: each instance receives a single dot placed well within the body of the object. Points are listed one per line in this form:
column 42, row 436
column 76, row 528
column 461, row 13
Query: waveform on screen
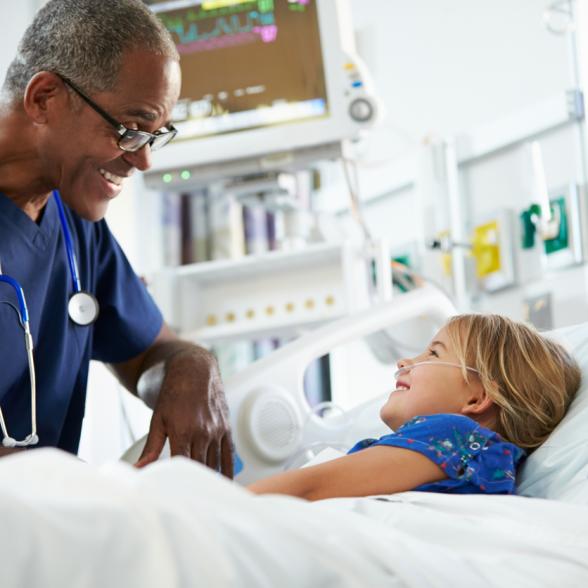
column 208, row 30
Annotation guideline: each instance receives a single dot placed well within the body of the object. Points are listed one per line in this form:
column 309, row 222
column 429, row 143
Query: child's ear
column 478, row 402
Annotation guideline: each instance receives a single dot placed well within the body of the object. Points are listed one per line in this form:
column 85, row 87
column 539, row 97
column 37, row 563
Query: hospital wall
column 499, row 181
column 466, row 69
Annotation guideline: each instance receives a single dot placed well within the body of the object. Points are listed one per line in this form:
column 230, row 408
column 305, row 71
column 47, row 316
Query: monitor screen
column 246, row 64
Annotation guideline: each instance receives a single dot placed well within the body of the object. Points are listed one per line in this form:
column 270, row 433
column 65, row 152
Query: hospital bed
column 273, row 426
column 177, row 523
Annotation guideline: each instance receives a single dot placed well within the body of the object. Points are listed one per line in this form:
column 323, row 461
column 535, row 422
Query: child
column 464, row 412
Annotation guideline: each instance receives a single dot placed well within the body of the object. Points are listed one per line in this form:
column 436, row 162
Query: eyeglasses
column 129, row 139
column 407, row 368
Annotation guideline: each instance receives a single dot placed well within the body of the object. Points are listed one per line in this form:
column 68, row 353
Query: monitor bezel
column 336, row 32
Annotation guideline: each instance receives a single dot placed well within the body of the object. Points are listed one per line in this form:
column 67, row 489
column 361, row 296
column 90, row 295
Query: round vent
column 271, row 424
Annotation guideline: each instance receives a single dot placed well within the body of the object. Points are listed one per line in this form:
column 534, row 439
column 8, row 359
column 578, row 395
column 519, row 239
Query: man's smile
column 113, row 178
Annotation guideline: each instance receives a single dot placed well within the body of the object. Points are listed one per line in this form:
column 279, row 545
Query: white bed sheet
column 65, row 523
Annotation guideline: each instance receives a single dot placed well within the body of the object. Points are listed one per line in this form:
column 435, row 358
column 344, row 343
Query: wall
column 448, row 69
column 15, row 19
column 445, row 67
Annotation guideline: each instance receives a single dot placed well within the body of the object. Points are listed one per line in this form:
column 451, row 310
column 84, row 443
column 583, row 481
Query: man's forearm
column 142, row 375
column 181, row 355
column 4, row 451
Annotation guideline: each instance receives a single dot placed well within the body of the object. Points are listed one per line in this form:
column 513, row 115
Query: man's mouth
column 113, row 178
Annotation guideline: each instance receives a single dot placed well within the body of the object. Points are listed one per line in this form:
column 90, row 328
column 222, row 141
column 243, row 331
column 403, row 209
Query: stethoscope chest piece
column 83, row 308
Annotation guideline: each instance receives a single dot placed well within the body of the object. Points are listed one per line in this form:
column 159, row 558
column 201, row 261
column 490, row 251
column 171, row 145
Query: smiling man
column 87, row 98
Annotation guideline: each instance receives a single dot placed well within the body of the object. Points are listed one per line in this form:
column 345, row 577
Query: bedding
column 176, row 523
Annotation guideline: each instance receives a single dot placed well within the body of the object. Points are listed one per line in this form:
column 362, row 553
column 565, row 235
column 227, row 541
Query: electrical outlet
column 493, row 251
column 538, row 310
column 565, row 248
column 486, row 248
column 561, row 240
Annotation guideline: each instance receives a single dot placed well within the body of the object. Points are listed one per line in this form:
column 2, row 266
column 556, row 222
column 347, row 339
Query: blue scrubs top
column 35, row 255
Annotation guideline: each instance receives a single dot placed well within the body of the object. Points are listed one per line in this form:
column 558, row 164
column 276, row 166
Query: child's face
column 430, row 389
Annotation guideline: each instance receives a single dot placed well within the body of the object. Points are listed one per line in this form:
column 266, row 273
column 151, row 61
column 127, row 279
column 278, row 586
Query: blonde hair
column 531, row 379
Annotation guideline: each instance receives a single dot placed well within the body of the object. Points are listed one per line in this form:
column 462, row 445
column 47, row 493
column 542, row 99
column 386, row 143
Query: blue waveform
column 235, row 24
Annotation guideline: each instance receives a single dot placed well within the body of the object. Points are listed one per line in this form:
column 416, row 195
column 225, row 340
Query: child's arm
column 376, row 470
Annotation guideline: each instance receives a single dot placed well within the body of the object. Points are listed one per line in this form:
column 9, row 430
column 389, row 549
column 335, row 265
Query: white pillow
column 558, row 469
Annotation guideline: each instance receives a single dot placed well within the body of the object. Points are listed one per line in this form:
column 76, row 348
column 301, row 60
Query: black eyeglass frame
column 155, row 140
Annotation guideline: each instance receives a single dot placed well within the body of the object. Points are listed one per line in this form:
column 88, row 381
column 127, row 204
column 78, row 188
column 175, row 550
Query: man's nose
column 140, row 159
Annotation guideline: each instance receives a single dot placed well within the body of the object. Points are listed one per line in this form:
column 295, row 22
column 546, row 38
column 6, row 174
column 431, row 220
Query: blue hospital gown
column 475, row 459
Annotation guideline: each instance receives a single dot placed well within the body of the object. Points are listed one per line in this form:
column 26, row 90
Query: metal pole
column 456, row 226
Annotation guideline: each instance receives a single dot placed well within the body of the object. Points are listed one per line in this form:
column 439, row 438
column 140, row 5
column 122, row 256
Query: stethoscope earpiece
column 11, row 442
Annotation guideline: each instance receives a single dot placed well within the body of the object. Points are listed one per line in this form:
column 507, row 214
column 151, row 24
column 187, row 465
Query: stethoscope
column 82, row 308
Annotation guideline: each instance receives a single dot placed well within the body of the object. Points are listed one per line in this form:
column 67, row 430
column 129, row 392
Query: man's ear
column 40, row 96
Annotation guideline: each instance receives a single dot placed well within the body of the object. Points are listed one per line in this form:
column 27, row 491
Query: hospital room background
column 469, row 172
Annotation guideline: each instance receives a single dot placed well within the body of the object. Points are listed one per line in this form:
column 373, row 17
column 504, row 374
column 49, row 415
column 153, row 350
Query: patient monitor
column 267, row 85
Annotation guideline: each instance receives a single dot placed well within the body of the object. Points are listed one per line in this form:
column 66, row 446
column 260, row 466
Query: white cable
column 355, row 202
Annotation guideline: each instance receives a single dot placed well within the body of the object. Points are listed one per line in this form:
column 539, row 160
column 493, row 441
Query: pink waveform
column 268, row 34
column 218, row 43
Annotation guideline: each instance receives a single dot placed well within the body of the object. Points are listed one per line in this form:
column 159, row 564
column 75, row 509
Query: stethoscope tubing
column 71, row 258
column 22, row 304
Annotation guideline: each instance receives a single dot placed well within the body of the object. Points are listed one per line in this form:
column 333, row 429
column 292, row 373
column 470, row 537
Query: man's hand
column 191, row 411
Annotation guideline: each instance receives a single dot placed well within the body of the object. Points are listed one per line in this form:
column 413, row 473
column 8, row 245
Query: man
column 87, row 76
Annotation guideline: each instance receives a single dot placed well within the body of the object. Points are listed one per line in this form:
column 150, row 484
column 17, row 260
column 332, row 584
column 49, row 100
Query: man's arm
column 376, row 470
column 182, row 384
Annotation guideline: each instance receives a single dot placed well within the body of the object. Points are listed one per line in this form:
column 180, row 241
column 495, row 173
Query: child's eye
column 433, row 353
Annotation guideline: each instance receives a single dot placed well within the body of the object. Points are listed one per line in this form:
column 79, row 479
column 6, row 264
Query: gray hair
column 84, row 41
